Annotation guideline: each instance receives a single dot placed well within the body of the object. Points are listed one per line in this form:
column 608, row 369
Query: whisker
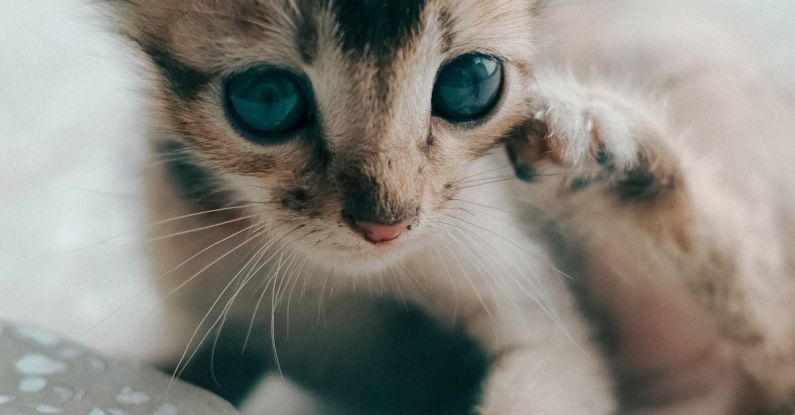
column 321, row 307
column 259, row 255
column 259, row 303
column 169, row 272
column 265, row 284
column 273, row 328
column 215, row 303
column 512, row 243
column 544, row 307
column 499, row 263
column 183, row 363
column 396, row 284
column 450, row 278
column 493, row 181
column 483, row 270
column 487, row 179
column 489, row 207
column 202, row 228
column 259, row 268
column 512, row 177
column 163, row 222
column 416, row 284
column 298, row 276
column 464, row 273
column 472, row 176
column 258, row 234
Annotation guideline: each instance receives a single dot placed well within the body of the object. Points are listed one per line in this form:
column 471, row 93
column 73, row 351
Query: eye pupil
column 266, row 105
column 468, row 87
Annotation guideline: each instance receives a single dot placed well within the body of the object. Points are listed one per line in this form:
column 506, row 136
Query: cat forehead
column 375, row 28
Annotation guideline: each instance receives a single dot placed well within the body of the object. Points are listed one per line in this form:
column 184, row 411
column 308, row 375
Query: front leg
column 545, row 368
column 605, row 166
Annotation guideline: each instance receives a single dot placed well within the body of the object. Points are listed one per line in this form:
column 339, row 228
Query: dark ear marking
column 377, row 27
column 182, row 80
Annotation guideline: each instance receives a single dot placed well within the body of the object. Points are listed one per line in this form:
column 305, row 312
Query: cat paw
column 590, row 136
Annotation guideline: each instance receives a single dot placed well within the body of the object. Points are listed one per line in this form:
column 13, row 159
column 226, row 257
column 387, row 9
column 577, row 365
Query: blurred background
column 72, row 127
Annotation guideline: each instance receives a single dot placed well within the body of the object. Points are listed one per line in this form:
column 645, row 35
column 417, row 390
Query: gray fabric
column 41, row 373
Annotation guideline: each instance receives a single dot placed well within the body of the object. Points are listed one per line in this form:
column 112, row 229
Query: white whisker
column 538, row 301
column 202, row 228
column 465, row 274
column 182, row 363
column 162, row 222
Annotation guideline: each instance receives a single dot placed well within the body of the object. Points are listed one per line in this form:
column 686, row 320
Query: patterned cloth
column 41, row 373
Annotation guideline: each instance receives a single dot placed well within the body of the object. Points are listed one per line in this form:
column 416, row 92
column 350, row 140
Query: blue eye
column 266, row 104
column 467, row 88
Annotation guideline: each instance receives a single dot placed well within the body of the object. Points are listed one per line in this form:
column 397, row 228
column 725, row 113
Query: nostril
column 380, row 233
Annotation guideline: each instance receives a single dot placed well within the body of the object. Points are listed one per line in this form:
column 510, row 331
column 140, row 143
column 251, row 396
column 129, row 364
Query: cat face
column 349, row 122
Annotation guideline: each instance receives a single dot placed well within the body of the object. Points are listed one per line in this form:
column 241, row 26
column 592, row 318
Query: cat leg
column 542, row 361
column 603, row 166
column 550, row 378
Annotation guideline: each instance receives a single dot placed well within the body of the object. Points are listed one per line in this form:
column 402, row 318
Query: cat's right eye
column 266, row 104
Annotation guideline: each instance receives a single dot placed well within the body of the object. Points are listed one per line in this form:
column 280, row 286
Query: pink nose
column 379, row 233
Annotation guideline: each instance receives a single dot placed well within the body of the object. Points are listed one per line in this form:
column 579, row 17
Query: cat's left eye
column 467, row 88
column 267, row 105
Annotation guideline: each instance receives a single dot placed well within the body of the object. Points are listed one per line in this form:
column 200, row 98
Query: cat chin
column 360, row 260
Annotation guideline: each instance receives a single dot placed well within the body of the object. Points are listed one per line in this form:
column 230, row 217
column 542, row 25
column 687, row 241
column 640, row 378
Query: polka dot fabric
column 41, row 373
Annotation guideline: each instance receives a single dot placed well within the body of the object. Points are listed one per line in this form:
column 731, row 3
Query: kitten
column 318, row 147
column 378, row 172
column 683, row 212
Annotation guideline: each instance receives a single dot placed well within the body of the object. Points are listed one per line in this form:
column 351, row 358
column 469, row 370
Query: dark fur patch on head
column 182, row 80
column 377, row 27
